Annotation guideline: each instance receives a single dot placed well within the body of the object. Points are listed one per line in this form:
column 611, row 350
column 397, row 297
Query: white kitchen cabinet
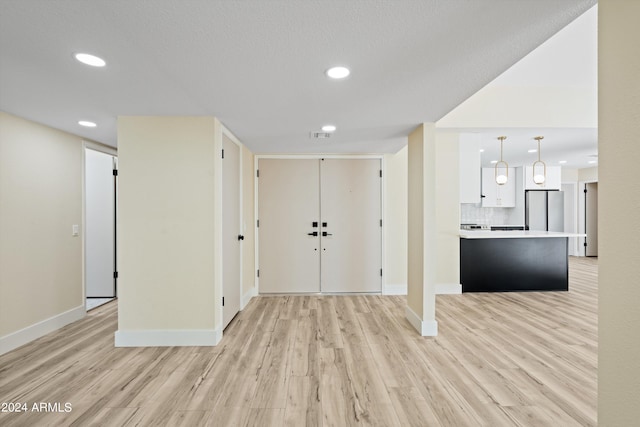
column 498, row 196
column 470, row 168
column 552, row 182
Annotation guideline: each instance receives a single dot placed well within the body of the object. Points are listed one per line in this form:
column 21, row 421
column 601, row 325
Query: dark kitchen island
column 508, row 261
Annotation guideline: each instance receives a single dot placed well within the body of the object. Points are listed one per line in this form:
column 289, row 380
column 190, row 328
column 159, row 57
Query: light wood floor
column 527, row 359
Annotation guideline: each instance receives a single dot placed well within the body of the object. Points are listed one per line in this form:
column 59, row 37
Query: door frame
column 582, row 214
column 574, row 202
column 236, row 141
column 256, row 192
column 112, row 152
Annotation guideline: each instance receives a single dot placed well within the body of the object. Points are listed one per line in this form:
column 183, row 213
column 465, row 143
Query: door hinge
column 380, row 272
column 585, row 191
column 115, row 274
column 115, row 172
column 585, row 244
column 380, row 223
column 380, row 173
column 223, row 153
column 258, row 223
column 257, row 173
column 258, row 272
column 223, row 301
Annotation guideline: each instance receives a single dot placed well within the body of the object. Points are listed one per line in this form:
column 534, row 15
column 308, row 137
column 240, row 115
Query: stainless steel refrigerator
column 544, row 210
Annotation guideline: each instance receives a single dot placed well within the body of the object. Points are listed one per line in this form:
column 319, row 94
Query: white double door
column 320, row 226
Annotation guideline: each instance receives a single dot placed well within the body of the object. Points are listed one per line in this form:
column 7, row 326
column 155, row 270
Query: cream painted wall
column 415, row 218
column 248, row 216
column 588, row 174
column 569, row 175
column 166, row 247
column 618, row 207
column 40, row 199
column 395, row 214
column 447, row 201
column 422, row 237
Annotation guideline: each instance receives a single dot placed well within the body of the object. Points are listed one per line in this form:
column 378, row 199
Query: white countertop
column 516, row 234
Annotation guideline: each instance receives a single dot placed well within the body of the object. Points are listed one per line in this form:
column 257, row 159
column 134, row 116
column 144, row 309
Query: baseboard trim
column 448, row 288
column 427, row 328
column 168, row 338
column 247, row 297
column 40, row 329
column 395, row 289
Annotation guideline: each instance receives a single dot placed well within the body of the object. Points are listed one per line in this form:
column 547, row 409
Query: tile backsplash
column 475, row 214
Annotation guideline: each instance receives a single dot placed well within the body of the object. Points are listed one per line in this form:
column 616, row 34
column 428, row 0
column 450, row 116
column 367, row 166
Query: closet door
column 231, row 286
column 288, row 207
column 352, row 237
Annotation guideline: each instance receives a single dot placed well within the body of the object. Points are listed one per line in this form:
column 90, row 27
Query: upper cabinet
column 553, row 180
column 498, row 196
column 469, row 168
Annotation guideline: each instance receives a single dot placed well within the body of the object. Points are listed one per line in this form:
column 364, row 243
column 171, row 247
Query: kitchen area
column 513, row 231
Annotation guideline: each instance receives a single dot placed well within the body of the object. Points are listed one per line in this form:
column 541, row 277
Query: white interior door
column 231, row 286
column 99, row 225
column 591, row 219
column 351, row 219
column 288, row 205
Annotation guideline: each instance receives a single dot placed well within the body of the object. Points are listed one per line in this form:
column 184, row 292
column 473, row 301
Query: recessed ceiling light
column 533, row 150
column 91, row 60
column 562, row 162
column 338, row 72
column 493, row 162
column 87, row 124
column 592, row 162
column 482, row 150
column 328, row 128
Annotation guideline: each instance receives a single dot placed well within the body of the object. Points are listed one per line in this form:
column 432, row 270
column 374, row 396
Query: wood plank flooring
column 508, row 359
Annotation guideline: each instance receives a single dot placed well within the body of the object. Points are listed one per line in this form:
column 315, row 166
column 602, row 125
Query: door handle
column 325, row 234
column 240, row 237
column 314, row 234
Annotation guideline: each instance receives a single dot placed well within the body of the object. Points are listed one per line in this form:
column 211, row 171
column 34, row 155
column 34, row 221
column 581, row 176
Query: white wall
column 503, row 107
column 41, row 285
column 619, row 204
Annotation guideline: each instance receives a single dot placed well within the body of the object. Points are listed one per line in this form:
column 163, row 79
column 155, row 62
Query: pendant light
column 502, row 167
column 539, row 167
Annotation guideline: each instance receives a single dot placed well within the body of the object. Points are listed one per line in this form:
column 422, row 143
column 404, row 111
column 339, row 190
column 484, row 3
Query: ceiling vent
column 319, row 135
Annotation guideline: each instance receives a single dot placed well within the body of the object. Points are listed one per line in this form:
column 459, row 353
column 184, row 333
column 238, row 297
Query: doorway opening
column 100, row 196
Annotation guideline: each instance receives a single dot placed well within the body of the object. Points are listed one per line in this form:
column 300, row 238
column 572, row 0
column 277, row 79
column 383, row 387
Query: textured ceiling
column 259, row 65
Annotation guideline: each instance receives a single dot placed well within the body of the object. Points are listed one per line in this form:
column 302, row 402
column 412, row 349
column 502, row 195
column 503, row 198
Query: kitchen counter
column 515, row 234
column 507, row 261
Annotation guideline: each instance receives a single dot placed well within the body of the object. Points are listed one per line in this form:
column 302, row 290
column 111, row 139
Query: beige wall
column 166, row 251
column 415, row 218
column 395, row 214
column 570, row 175
column 248, row 218
column 447, row 202
column 422, row 239
column 618, row 207
column 588, row 174
column 40, row 200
